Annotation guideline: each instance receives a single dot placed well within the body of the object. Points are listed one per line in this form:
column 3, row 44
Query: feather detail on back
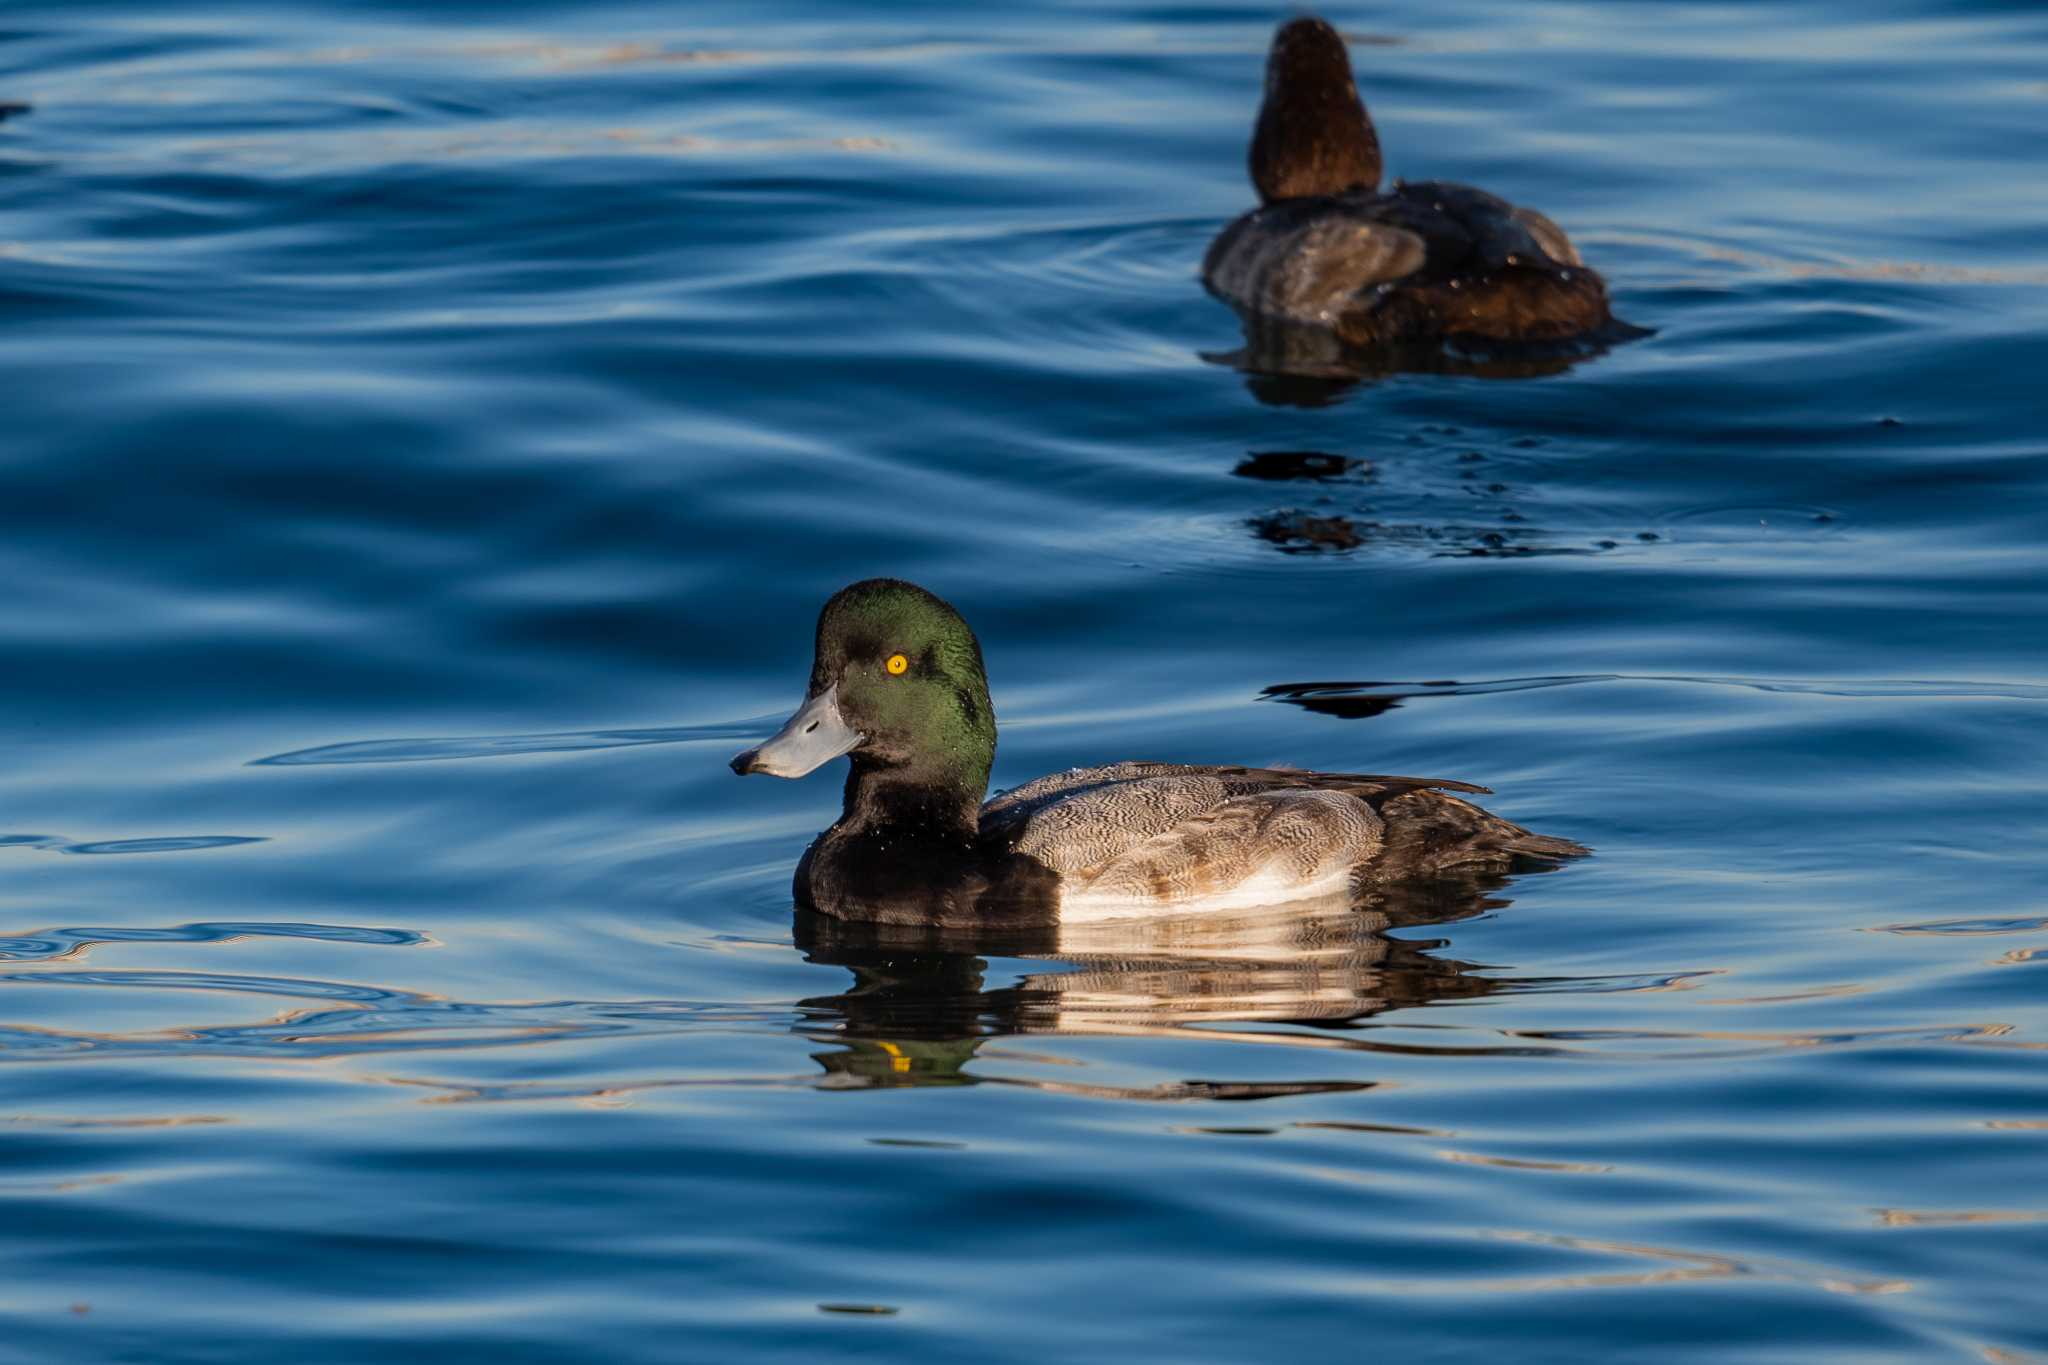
column 1131, row 837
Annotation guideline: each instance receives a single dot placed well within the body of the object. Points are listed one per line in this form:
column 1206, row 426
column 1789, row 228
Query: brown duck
column 1421, row 262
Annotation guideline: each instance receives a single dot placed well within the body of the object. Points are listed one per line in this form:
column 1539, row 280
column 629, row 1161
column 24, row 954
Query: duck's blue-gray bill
column 815, row 735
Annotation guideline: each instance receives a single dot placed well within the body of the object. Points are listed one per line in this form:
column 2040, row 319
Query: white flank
column 1258, row 891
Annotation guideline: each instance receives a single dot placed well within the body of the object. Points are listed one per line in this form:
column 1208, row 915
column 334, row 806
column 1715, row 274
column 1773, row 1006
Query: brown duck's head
column 1313, row 136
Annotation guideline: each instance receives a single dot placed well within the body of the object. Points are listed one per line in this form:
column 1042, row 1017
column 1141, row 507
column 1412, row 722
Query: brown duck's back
column 1420, row 261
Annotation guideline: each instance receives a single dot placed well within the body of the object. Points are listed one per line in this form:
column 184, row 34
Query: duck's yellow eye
column 898, row 665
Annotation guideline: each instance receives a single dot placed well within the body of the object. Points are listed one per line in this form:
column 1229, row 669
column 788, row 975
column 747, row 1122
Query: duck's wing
column 1549, row 236
column 1314, row 260
column 1006, row 810
column 1147, row 834
column 1470, row 231
column 1140, row 841
column 1429, row 832
column 1304, row 258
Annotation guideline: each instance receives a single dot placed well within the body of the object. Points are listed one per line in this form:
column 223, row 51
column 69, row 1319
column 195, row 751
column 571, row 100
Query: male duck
column 897, row 684
column 1423, row 262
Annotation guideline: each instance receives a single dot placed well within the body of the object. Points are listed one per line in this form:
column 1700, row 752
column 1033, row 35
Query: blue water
column 430, row 432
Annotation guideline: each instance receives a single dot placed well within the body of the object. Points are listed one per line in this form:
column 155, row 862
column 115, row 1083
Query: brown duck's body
column 1419, row 262
column 1415, row 263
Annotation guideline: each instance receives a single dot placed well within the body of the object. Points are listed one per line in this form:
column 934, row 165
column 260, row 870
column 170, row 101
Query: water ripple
column 1355, row 700
column 502, row 746
column 2027, row 925
column 75, row 943
column 407, row 384
column 1673, row 1266
column 375, row 1019
column 175, row 843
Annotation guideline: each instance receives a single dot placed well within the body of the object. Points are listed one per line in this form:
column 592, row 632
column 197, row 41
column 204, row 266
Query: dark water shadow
column 1340, row 511
column 1301, row 466
column 1364, row 699
column 1305, row 531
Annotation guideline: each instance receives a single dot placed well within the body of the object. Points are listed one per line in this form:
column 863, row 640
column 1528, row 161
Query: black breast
column 901, row 876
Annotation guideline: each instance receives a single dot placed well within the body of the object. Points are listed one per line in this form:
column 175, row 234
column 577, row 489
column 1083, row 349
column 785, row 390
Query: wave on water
column 432, row 750
column 1356, row 700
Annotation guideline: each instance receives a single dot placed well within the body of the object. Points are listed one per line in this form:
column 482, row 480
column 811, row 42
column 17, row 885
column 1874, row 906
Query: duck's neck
column 911, row 803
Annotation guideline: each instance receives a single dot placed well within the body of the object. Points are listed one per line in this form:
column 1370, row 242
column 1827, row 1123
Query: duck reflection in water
column 1290, row 365
column 921, row 1006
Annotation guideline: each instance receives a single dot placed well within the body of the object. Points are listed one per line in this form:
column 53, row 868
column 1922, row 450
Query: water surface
column 432, row 430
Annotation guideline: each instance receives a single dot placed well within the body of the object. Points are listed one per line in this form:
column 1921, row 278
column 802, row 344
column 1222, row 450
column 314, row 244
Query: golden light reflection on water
column 1686, row 1266
column 69, row 1185
column 1916, row 272
column 2003, row 1355
column 1793, row 997
column 1526, row 1164
column 164, row 1121
column 503, row 141
column 1970, row 927
column 1927, row 1218
column 586, row 57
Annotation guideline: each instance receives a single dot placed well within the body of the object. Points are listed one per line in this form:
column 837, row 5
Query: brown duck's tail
column 1431, row 833
column 1536, row 302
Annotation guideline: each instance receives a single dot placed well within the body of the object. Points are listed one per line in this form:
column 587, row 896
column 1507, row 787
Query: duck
column 1424, row 262
column 898, row 688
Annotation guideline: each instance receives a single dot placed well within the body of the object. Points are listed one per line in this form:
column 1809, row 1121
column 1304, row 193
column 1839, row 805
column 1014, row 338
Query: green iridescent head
column 897, row 684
